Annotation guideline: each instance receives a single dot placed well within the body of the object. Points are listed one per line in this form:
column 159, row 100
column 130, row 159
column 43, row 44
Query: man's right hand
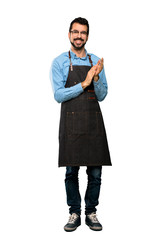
column 89, row 77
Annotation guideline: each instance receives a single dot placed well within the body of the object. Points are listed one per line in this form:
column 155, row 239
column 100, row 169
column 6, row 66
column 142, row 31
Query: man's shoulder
column 61, row 56
column 94, row 57
column 60, row 59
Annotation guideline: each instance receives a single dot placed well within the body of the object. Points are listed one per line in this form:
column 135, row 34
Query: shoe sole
column 94, row 228
column 71, row 229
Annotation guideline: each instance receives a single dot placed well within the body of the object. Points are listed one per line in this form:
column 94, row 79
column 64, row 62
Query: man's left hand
column 99, row 68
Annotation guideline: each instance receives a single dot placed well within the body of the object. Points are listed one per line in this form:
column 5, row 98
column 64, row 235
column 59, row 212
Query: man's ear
column 69, row 35
column 87, row 37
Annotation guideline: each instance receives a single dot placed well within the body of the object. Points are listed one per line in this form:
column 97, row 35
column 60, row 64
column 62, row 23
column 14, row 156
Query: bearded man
column 79, row 83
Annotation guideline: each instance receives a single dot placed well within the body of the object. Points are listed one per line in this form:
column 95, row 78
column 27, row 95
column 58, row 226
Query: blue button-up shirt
column 59, row 73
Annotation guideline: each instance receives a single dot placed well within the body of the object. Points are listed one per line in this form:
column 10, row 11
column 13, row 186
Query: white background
column 32, row 193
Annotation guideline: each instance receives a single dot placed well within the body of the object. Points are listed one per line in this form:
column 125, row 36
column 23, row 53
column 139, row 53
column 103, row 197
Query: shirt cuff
column 98, row 84
column 79, row 88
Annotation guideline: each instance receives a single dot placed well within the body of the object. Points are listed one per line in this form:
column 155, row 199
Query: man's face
column 78, row 36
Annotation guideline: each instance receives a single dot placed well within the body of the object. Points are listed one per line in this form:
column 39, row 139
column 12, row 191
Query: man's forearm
column 65, row 94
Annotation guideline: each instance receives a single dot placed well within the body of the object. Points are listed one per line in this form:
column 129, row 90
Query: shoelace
column 93, row 217
column 72, row 218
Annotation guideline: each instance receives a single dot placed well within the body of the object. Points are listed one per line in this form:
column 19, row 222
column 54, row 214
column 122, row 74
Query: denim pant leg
column 93, row 188
column 72, row 190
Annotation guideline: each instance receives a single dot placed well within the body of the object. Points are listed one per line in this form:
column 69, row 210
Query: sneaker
column 73, row 223
column 92, row 222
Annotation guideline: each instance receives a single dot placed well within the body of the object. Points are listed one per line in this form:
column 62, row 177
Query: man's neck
column 79, row 53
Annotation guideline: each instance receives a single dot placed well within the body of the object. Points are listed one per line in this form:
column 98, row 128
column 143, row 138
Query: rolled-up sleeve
column 101, row 86
column 62, row 94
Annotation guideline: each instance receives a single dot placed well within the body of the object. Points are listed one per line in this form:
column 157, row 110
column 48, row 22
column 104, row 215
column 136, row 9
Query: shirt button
column 75, row 82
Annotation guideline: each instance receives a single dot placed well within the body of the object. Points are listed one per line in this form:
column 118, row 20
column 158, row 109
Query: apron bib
column 82, row 135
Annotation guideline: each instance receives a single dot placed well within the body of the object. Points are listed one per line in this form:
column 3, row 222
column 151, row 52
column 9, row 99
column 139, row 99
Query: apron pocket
column 76, row 123
column 84, row 123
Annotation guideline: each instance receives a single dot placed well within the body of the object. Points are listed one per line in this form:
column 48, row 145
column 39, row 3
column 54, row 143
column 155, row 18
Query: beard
column 78, row 47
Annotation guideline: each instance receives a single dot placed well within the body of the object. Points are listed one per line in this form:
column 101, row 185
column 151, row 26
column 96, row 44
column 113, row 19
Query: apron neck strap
column 90, row 60
column 71, row 66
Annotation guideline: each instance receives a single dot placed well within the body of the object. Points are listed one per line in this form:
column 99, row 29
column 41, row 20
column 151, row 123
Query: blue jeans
column 92, row 191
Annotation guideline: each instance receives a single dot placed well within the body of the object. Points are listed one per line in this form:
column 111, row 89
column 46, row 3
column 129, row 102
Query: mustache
column 79, row 39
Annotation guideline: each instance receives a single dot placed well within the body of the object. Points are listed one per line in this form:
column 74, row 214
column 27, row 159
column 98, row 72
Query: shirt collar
column 73, row 55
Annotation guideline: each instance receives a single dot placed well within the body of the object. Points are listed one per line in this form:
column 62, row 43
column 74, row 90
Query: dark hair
column 81, row 21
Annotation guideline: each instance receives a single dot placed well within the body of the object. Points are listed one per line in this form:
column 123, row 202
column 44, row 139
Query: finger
column 99, row 62
column 101, row 65
column 102, row 61
column 94, row 68
column 93, row 71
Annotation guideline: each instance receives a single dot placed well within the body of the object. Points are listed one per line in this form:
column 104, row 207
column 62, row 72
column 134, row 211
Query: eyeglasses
column 76, row 33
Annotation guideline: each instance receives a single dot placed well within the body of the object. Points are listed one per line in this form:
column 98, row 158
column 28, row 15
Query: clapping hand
column 99, row 67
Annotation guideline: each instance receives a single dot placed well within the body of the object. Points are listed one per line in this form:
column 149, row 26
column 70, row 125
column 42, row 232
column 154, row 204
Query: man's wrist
column 84, row 84
column 96, row 78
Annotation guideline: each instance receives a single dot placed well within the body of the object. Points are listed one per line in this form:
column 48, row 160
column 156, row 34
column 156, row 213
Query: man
column 79, row 82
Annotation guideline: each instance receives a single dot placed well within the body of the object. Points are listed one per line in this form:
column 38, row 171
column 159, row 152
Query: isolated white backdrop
column 33, row 201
